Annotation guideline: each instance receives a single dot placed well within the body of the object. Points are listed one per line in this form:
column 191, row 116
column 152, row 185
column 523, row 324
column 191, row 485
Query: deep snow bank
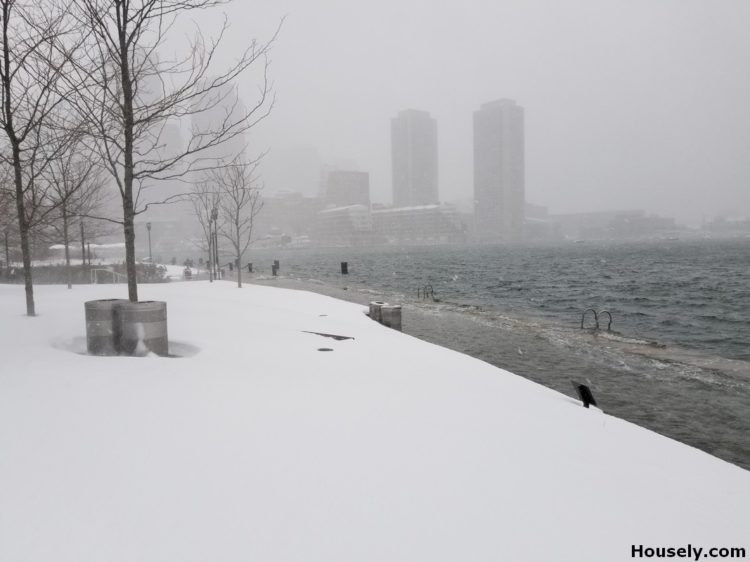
column 257, row 446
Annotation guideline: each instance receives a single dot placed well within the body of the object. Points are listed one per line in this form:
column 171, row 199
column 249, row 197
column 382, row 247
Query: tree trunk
column 210, row 262
column 129, row 231
column 28, row 283
column 23, row 228
column 66, row 242
column 127, row 199
column 217, row 268
column 83, row 249
column 238, row 263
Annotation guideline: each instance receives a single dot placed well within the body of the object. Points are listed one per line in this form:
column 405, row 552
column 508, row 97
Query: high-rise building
column 414, row 159
column 499, row 192
column 345, row 187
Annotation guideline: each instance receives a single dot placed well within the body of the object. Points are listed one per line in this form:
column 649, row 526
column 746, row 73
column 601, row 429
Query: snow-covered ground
column 255, row 445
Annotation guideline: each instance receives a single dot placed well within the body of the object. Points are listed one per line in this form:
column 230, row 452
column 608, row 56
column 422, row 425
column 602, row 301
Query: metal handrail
column 596, row 317
column 425, row 292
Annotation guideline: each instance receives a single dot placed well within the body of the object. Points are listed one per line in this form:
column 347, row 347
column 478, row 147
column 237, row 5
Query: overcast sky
column 629, row 103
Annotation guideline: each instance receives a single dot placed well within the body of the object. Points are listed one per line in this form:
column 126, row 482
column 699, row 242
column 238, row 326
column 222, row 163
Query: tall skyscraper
column 414, row 158
column 499, row 192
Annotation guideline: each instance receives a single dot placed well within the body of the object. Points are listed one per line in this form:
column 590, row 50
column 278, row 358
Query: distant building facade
column 344, row 188
column 614, row 225
column 421, row 225
column 499, row 184
column 344, row 226
column 414, row 158
column 286, row 215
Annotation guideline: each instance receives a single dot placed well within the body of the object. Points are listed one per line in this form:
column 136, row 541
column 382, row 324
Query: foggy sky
column 629, row 104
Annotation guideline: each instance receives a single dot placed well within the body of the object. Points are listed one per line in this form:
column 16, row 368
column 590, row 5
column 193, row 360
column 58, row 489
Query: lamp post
column 150, row 257
column 215, row 217
column 210, row 262
column 7, row 251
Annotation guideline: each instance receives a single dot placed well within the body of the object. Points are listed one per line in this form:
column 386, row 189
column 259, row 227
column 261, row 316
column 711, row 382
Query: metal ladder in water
column 596, row 318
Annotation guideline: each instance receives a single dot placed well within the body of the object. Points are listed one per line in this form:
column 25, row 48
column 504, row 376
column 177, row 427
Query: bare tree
column 35, row 54
column 77, row 191
column 205, row 200
column 239, row 204
column 129, row 95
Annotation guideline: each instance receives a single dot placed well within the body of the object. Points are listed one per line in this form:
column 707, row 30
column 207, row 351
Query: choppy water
column 676, row 361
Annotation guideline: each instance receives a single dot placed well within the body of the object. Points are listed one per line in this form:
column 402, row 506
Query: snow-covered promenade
column 255, row 445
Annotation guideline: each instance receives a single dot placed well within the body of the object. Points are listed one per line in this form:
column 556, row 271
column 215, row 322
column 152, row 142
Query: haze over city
column 401, row 280
column 627, row 104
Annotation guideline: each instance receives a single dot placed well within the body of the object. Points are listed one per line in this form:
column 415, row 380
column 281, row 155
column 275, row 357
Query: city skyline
column 637, row 106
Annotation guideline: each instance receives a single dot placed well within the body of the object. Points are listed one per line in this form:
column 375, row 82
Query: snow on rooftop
column 435, row 206
column 116, row 245
column 254, row 445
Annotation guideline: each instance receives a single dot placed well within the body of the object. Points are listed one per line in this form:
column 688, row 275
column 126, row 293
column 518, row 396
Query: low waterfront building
column 423, row 224
column 344, row 226
column 287, row 214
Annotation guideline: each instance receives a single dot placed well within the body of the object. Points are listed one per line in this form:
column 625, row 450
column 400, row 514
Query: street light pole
column 83, row 247
column 210, row 262
column 150, row 257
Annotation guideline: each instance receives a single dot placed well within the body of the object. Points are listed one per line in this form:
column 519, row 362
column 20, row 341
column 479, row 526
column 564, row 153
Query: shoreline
column 637, row 383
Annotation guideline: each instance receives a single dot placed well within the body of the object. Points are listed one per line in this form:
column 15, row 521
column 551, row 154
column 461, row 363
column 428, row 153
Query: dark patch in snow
column 324, row 349
column 334, row 336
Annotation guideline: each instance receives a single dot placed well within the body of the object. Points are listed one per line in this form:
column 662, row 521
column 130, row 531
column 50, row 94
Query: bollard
column 390, row 316
column 375, row 307
column 275, row 270
column 344, row 268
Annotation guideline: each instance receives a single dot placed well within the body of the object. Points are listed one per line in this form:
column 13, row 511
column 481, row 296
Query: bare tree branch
column 129, row 93
column 36, row 46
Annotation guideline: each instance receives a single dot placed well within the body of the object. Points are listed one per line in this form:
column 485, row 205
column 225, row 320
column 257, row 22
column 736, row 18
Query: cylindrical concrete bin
column 375, row 307
column 102, row 328
column 391, row 316
column 143, row 328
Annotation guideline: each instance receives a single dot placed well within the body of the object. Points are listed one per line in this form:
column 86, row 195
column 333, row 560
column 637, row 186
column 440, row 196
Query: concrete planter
column 375, row 308
column 143, row 328
column 390, row 315
column 102, row 327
